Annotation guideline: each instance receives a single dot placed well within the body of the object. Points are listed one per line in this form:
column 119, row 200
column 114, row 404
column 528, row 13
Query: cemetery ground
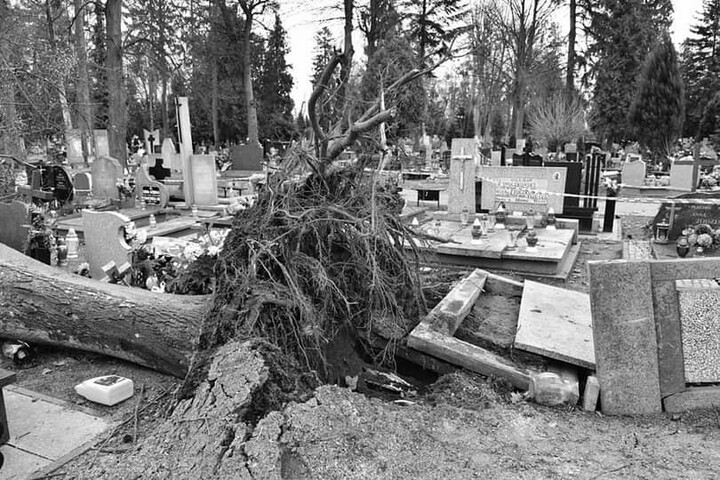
column 460, row 425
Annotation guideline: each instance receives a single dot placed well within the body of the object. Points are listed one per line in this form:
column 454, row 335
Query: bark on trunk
column 85, row 115
column 117, row 117
column 45, row 305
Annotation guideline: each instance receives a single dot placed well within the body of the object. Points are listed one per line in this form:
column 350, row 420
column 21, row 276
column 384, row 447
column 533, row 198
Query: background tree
column 701, row 67
column 622, row 32
column 117, row 113
column 556, row 120
column 274, row 86
column 657, row 111
column 523, row 24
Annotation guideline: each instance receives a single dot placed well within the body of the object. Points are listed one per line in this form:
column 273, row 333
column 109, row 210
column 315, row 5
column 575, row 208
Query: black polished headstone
column 159, row 172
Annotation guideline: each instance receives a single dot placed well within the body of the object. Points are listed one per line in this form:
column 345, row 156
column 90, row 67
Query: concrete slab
column 44, row 430
column 625, row 339
column 19, row 465
column 556, row 323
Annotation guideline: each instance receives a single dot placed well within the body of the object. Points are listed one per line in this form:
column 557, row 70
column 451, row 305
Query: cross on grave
column 158, row 171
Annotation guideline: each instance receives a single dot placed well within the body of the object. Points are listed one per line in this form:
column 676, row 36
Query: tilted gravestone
column 15, row 221
column 106, row 172
column 104, row 240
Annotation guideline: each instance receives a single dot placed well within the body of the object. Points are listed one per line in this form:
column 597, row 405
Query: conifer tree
column 622, row 32
column 657, row 111
column 701, row 67
column 274, row 86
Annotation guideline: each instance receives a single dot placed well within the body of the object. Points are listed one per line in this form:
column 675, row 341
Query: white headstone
column 633, row 173
column 681, row 173
column 170, row 157
column 106, row 172
column 520, row 145
column 523, row 188
column 102, row 147
column 73, row 144
column 204, row 180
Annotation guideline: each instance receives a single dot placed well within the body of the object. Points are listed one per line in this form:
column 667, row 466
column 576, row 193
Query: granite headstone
column 106, row 172
column 633, row 173
column 247, row 157
column 104, row 240
column 626, row 349
column 15, row 221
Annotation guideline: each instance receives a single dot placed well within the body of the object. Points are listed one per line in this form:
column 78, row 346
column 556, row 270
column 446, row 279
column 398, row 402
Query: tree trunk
column 117, row 115
column 45, row 305
column 214, row 105
column 85, row 116
column 62, row 93
column 252, row 121
column 570, row 73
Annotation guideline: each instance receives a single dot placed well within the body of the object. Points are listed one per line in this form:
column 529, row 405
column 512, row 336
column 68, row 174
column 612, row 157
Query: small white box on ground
column 108, row 390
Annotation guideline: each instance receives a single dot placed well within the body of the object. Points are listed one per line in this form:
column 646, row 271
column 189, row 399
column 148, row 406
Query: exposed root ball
column 311, row 256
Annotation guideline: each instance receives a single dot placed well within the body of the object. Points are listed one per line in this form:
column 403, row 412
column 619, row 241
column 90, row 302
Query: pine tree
column 275, row 84
column 623, row 32
column 657, row 111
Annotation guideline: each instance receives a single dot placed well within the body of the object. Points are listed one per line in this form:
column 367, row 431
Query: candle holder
column 476, row 231
column 551, row 220
column 532, row 241
column 500, row 217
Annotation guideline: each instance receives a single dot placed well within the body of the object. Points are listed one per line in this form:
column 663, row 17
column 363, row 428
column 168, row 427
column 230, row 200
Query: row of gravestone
column 634, row 173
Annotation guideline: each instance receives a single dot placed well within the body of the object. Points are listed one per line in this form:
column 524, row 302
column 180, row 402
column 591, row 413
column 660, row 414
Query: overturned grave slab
column 556, row 323
column 434, row 335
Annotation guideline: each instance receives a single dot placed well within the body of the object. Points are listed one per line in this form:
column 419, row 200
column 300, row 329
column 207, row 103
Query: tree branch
column 319, row 89
column 354, row 132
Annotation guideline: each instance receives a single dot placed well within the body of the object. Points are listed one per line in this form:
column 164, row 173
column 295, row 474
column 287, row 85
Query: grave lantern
column 551, row 219
column 661, row 232
column 500, row 217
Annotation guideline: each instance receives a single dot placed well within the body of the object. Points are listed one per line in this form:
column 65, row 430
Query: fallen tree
column 45, row 305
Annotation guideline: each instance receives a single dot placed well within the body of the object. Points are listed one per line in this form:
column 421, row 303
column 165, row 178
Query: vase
column 682, row 247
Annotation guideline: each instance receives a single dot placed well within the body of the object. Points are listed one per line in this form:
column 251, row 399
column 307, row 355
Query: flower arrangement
column 125, row 190
column 703, row 237
column 612, row 187
column 182, row 268
column 712, row 179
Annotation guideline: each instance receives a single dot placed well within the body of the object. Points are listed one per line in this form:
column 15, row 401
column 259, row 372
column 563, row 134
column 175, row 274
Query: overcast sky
column 302, row 19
